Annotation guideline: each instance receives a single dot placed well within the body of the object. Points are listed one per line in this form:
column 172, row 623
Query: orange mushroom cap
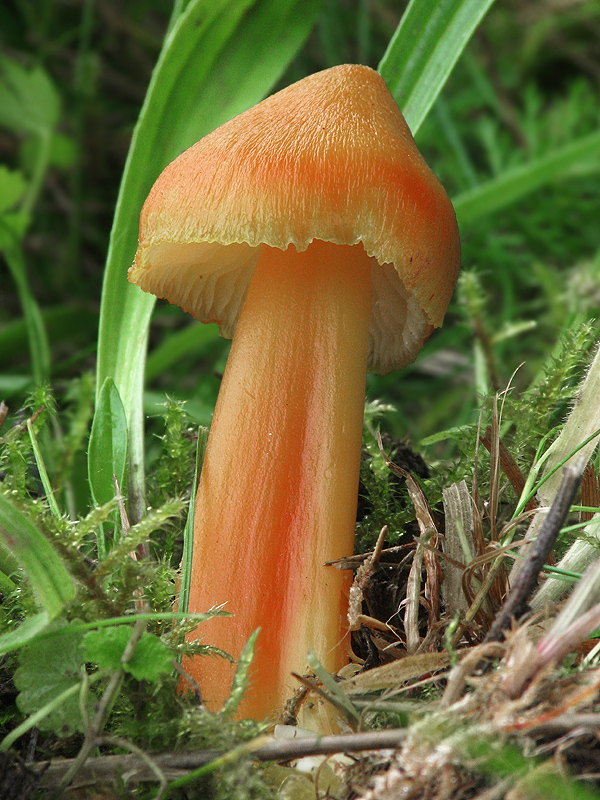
column 329, row 158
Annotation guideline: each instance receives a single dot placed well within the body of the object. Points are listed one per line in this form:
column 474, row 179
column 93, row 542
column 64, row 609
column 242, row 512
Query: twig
column 237, row 754
column 104, row 706
column 174, row 765
column 361, row 581
column 515, row 605
column 22, row 426
column 351, row 562
column 118, row 741
column 567, row 722
column 509, row 467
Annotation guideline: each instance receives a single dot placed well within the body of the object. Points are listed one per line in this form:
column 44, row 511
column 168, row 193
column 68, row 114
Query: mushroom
column 311, row 229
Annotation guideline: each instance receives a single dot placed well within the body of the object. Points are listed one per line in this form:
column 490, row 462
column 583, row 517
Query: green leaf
column 514, row 184
column 220, row 57
column 107, row 452
column 48, row 667
column 12, row 187
column 151, row 659
column 424, row 49
column 105, row 648
column 53, row 585
column 29, row 102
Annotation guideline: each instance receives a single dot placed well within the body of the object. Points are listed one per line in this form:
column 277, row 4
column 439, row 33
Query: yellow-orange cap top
column 329, row 157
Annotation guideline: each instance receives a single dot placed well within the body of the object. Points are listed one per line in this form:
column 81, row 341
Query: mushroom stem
column 278, row 491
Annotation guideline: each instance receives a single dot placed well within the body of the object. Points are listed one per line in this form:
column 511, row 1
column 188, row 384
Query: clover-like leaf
column 49, row 666
column 105, row 647
column 29, row 101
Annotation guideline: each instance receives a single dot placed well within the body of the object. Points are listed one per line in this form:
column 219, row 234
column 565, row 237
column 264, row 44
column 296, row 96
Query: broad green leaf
column 29, row 102
column 105, row 647
column 107, row 452
column 514, row 184
column 219, row 58
column 36, row 720
column 48, row 667
column 424, row 49
column 151, row 659
column 49, row 578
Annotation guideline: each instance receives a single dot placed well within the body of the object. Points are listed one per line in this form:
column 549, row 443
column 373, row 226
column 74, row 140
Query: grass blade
column 187, row 340
column 216, row 61
column 39, row 460
column 424, row 49
column 514, row 184
column 26, row 631
column 107, row 451
column 578, row 436
column 36, row 331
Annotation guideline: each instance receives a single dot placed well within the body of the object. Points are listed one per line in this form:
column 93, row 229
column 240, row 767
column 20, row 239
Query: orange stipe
column 277, row 496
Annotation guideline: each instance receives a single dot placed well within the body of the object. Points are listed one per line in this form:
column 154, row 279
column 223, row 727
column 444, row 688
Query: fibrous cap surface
column 329, row 158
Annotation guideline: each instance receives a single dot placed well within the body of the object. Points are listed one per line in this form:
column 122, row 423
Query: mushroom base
column 278, row 491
